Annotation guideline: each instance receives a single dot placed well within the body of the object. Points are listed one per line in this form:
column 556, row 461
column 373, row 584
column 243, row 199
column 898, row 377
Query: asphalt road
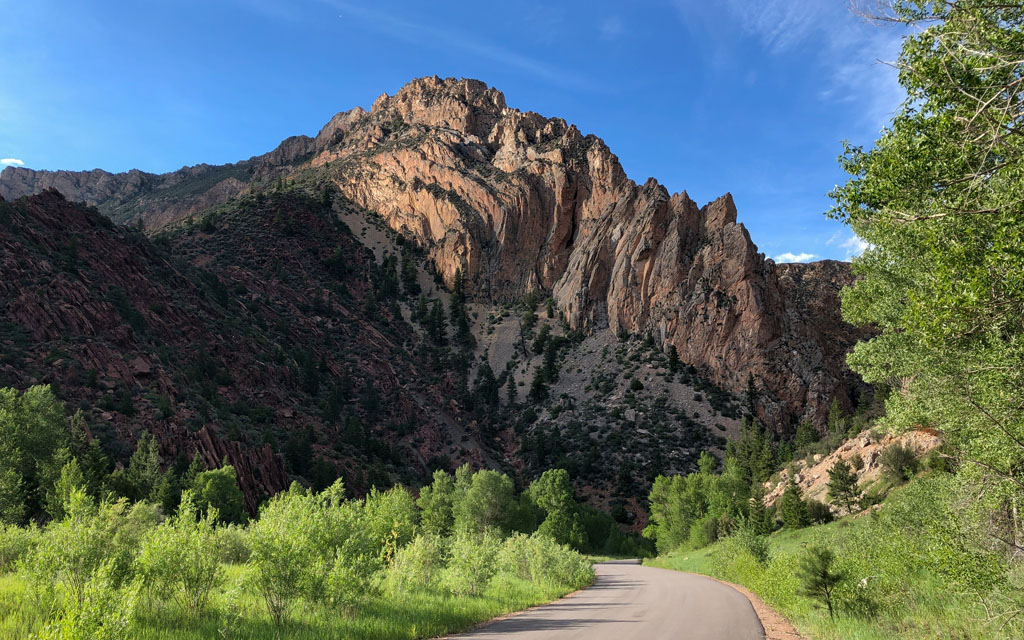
column 629, row 600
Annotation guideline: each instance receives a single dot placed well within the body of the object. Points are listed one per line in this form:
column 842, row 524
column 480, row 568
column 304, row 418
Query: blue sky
column 751, row 97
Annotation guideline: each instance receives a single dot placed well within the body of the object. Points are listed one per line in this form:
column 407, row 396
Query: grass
column 924, row 607
column 235, row 613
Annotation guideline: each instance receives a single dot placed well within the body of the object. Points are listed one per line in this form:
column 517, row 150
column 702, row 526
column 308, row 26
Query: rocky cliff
column 516, row 202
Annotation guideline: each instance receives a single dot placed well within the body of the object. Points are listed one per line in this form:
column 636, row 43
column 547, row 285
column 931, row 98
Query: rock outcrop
column 517, row 201
column 813, row 478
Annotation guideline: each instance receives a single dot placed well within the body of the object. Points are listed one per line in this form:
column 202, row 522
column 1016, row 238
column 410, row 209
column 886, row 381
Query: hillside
column 276, row 310
column 518, row 201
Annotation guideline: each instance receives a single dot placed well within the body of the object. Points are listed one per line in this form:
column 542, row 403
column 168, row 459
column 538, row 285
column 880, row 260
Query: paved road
column 632, row 601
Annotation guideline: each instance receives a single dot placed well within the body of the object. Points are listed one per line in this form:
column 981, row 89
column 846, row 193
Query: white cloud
column 854, row 246
column 611, row 28
column 847, row 47
column 794, row 257
column 11, row 161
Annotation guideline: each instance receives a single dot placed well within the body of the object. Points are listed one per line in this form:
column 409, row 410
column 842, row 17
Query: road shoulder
column 776, row 627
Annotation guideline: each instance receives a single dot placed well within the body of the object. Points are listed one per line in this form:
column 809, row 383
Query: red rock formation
column 518, row 201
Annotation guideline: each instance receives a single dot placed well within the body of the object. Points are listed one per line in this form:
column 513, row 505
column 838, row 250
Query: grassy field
column 235, row 613
column 885, row 595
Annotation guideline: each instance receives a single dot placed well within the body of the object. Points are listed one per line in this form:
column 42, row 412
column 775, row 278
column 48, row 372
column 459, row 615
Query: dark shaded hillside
column 245, row 339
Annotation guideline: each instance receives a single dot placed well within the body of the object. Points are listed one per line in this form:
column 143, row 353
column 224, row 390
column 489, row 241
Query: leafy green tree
column 818, row 577
column 553, row 493
column 792, row 507
column 435, row 502
column 842, row 486
column 938, row 199
column 32, row 432
column 218, row 489
column 71, row 479
column 484, row 502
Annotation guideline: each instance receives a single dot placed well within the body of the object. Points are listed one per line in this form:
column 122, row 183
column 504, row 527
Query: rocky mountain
column 295, row 250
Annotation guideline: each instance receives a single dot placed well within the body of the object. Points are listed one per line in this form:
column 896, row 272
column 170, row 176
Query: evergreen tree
column 818, row 578
column 761, row 520
column 143, row 473
column 806, row 435
column 673, row 359
column 409, row 272
column 751, row 397
column 421, row 312
column 487, row 385
column 436, row 326
column 792, row 507
column 842, row 486
column 511, row 390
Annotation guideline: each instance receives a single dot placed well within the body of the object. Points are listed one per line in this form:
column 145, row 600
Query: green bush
column 232, row 544
column 71, row 551
column 898, row 462
column 417, row 566
column 15, row 543
column 472, row 563
column 181, row 557
column 542, row 560
column 101, row 612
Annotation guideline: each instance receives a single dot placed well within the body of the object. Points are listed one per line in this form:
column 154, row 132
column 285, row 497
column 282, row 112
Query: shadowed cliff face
column 517, row 201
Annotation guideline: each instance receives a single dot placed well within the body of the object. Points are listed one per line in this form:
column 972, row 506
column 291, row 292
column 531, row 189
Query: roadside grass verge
column 910, row 573
column 235, row 613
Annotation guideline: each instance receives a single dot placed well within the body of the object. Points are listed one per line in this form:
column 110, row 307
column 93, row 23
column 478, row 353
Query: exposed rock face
column 813, row 479
column 517, row 202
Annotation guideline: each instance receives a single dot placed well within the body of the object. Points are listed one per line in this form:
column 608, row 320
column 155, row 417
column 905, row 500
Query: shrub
column 472, row 563
column 15, row 543
column 71, row 551
column 818, row 512
column 754, row 543
column 181, row 557
column 232, row 544
column 898, row 463
column 416, row 566
column 101, row 612
column 541, row 560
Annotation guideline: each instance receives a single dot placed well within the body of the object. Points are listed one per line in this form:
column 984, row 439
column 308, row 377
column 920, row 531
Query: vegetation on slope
column 313, row 564
column 939, row 200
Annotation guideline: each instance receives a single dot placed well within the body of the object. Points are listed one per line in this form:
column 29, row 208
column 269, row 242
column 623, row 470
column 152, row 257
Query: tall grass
column 914, row 571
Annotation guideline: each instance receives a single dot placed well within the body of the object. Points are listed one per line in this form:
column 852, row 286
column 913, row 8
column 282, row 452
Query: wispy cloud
column 794, row 257
column 848, row 48
column 854, row 246
column 611, row 28
column 7, row 162
column 449, row 39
